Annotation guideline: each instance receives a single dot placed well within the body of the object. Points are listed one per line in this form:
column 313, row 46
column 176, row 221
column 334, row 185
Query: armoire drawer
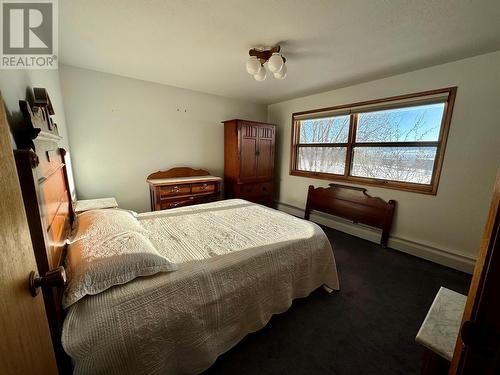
column 255, row 190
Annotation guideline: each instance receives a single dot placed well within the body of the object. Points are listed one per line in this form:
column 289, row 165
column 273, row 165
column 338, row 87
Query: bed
column 239, row 263
column 236, row 264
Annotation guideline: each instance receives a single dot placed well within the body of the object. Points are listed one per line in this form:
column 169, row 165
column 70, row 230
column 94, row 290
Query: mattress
column 239, row 263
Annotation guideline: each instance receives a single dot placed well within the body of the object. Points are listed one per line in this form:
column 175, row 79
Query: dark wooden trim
column 378, row 101
column 241, row 121
column 322, row 144
column 373, row 144
column 72, row 214
column 293, row 144
column 352, row 203
column 353, row 128
column 177, row 172
column 307, row 210
column 443, row 139
column 396, row 185
column 397, row 144
column 351, row 144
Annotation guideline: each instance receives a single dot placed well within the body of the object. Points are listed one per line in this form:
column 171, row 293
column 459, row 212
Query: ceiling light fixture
column 272, row 57
column 281, row 74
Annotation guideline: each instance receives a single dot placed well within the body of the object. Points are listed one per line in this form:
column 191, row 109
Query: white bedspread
column 239, row 263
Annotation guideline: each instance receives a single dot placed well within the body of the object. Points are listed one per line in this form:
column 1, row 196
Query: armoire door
column 248, row 151
column 265, row 152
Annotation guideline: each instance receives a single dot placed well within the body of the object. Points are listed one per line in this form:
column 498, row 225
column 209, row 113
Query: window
column 396, row 142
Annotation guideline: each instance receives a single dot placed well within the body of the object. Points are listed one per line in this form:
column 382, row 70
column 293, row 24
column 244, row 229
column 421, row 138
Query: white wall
column 447, row 227
column 123, row 129
column 14, row 85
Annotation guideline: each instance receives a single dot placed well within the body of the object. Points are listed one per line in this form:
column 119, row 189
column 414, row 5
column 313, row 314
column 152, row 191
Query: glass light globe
column 261, row 75
column 253, row 65
column 282, row 73
column 275, row 63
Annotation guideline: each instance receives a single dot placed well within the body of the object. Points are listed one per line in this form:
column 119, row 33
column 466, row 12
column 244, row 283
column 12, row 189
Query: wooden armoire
column 249, row 160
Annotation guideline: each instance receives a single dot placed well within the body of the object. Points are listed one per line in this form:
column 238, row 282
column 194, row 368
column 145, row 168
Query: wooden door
column 478, row 345
column 265, row 152
column 248, row 151
column 25, row 343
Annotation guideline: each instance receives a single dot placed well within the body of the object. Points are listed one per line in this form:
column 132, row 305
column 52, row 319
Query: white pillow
column 101, row 256
column 99, row 224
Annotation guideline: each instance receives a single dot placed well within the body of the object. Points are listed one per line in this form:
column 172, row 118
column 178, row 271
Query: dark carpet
column 368, row 327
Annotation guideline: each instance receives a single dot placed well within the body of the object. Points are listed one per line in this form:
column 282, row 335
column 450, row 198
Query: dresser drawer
column 172, row 203
column 186, row 201
column 203, row 188
column 173, row 190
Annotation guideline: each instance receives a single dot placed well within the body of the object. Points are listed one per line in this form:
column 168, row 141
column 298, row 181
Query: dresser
column 182, row 186
column 249, row 150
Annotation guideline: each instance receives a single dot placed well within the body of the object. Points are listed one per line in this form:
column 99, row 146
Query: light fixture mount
column 272, row 57
column 264, row 54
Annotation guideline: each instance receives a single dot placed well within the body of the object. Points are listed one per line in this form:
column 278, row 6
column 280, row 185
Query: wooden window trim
column 440, row 145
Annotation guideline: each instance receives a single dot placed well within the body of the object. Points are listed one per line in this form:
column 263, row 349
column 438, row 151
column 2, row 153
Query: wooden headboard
column 49, row 209
column 352, row 203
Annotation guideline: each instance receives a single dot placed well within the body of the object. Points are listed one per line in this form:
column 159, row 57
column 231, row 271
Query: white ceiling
column 203, row 44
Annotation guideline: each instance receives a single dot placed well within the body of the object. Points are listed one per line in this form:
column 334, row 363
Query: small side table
column 439, row 331
column 94, row 204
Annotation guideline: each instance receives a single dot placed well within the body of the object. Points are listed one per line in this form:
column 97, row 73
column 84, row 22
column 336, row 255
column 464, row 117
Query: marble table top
column 94, row 204
column 440, row 328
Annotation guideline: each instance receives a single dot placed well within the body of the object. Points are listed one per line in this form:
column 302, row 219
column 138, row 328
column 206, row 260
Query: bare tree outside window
column 408, row 164
column 325, row 130
column 330, row 130
column 398, row 162
column 399, row 144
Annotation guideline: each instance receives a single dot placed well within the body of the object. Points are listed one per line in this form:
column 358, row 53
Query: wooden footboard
column 352, row 203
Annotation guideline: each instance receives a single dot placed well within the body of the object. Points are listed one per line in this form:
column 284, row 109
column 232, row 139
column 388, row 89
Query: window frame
column 440, row 144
